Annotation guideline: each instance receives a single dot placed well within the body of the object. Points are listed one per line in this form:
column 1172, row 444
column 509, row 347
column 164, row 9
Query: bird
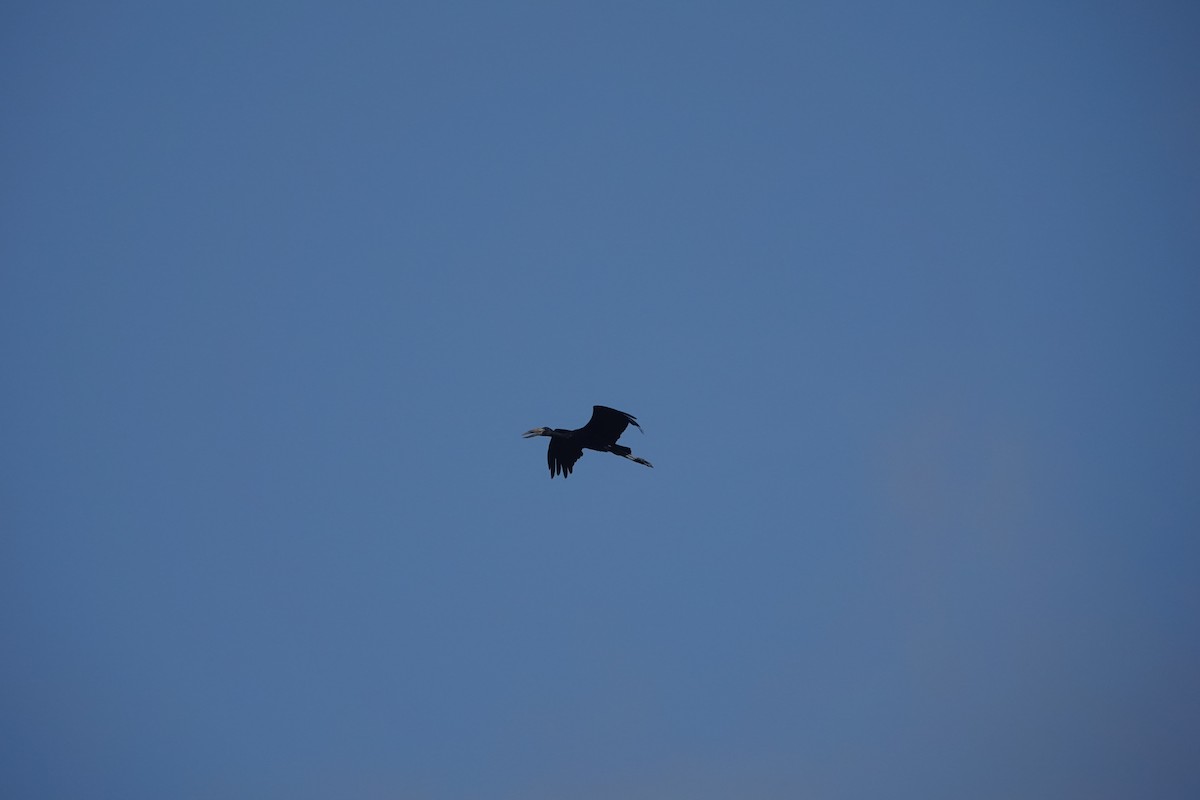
column 600, row 433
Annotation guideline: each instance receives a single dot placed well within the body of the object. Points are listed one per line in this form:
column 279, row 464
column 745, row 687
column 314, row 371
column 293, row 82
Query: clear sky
column 904, row 294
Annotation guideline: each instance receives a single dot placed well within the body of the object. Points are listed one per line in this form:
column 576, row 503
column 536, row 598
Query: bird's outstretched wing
column 607, row 424
column 561, row 456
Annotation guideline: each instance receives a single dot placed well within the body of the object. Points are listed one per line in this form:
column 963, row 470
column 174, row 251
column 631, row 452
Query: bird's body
column 600, row 433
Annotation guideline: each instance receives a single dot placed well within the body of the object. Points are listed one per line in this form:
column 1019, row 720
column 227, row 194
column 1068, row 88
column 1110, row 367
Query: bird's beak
column 532, row 433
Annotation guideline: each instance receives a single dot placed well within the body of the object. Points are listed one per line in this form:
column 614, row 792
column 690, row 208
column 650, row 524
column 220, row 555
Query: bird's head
column 536, row 432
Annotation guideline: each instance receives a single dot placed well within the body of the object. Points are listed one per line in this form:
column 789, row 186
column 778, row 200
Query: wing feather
column 561, row 456
column 607, row 424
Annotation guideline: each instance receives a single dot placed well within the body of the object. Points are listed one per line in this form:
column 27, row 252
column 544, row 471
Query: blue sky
column 904, row 295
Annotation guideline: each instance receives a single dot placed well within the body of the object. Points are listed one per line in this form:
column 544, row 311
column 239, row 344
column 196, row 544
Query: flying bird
column 600, row 433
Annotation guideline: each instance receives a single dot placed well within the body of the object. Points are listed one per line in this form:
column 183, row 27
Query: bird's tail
column 625, row 452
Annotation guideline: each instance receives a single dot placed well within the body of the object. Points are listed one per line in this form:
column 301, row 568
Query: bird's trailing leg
column 625, row 452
